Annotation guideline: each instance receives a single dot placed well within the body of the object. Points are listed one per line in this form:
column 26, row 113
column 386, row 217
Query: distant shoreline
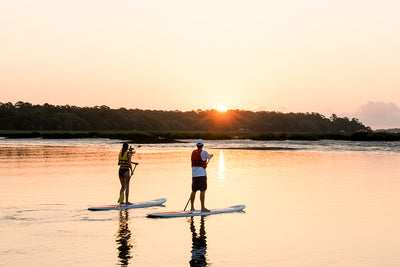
column 174, row 137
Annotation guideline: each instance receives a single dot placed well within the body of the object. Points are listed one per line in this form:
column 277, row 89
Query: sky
column 340, row 56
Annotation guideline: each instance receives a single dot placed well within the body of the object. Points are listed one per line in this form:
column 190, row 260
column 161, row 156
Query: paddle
column 121, row 197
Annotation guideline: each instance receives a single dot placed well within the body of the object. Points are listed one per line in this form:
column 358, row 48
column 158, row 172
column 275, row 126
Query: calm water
column 325, row 203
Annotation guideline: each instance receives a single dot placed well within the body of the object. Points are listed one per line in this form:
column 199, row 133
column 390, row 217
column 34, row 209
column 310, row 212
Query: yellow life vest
column 123, row 159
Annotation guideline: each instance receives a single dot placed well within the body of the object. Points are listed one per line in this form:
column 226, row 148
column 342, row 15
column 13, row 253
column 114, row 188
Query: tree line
column 47, row 117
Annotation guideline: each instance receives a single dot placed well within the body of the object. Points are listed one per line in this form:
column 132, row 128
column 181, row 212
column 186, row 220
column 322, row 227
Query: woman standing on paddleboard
column 125, row 164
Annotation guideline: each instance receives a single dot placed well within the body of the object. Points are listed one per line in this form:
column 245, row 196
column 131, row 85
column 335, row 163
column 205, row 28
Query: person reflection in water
column 123, row 239
column 199, row 244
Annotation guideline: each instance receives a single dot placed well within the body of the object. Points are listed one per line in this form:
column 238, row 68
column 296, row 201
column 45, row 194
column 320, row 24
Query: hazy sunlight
column 222, row 108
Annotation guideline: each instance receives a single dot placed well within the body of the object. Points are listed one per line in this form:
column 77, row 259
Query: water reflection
column 123, row 239
column 221, row 167
column 199, row 244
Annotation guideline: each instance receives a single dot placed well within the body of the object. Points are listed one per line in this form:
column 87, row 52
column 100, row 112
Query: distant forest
column 28, row 117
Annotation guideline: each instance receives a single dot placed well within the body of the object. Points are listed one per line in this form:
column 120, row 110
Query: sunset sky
column 340, row 56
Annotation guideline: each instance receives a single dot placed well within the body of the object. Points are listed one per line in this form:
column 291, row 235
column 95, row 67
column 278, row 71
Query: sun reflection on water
column 221, row 167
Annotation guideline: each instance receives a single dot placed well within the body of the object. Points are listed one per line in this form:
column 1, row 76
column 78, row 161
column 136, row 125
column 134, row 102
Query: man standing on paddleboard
column 200, row 160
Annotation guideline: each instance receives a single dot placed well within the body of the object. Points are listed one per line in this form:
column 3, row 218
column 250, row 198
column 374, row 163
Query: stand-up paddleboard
column 136, row 205
column 172, row 214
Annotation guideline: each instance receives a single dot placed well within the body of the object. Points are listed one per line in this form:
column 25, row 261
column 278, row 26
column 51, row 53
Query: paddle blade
column 121, row 198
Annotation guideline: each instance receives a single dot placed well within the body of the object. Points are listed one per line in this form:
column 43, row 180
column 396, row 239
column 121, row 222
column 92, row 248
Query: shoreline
column 173, row 137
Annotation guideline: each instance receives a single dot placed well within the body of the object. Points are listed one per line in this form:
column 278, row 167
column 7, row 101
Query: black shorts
column 199, row 183
column 122, row 171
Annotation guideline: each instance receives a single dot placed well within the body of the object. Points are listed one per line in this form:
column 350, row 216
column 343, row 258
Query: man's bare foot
column 128, row 203
column 205, row 210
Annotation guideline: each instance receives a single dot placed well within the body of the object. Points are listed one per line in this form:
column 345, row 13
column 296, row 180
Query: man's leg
column 192, row 197
column 202, row 199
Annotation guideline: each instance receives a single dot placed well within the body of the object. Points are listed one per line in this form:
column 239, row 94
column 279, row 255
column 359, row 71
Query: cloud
column 379, row 115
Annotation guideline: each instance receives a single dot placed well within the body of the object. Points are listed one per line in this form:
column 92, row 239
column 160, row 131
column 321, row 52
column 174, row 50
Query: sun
column 222, row 108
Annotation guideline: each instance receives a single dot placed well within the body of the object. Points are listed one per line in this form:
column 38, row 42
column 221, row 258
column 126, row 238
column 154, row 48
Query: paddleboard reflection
column 199, row 243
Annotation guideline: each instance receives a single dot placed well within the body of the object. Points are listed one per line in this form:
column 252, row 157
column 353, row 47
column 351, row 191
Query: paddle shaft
column 187, row 202
column 134, row 168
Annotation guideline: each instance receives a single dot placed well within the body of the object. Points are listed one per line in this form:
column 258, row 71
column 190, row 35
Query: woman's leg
column 126, row 182
column 123, row 186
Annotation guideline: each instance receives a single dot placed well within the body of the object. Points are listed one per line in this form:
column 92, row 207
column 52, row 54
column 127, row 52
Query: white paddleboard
column 172, row 214
column 136, row 205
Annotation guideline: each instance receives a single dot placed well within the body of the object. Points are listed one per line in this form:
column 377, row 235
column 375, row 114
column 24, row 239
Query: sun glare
column 221, row 108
